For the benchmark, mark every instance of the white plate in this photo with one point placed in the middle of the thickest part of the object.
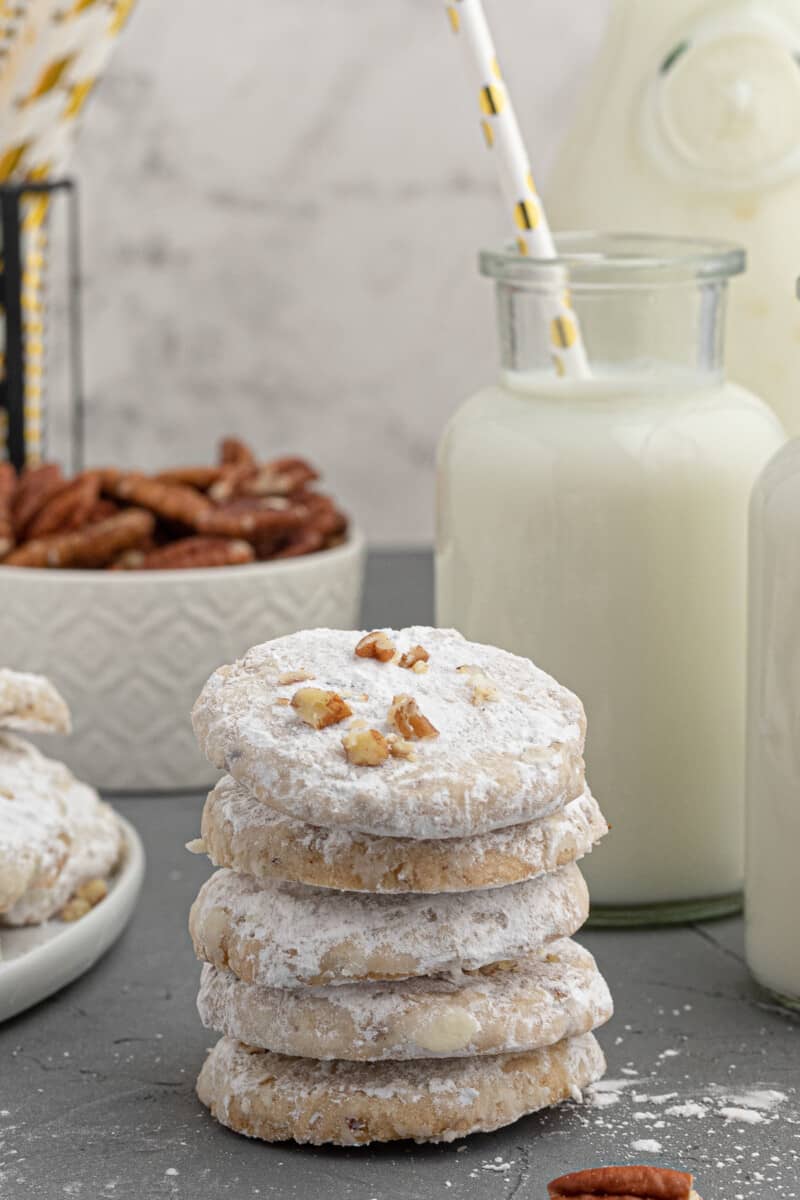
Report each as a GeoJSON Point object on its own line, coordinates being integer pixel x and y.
{"type": "Point", "coordinates": [37, 960]}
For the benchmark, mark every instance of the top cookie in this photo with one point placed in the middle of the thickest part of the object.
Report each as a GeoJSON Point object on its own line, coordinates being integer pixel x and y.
{"type": "Point", "coordinates": [30, 704]}
{"type": "Point", "coordinates": [465, 739]}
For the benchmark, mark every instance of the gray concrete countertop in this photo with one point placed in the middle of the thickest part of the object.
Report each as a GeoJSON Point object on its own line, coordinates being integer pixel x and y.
{"type": "Point", "coordinates": [96, 1084]}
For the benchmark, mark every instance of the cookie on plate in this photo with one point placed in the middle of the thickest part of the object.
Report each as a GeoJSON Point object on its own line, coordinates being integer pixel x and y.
{"type": "Point", "coordinates": [30, 704]}
{"type": "Point", "coordinates": [275, 1098]}
{"type": "Point", "coordinates": [415, 733]}
{"type": "Point", "coordinates": [34, 840]}
{"type": "Point", "coordinates": [55, 834]}
{"type": "Point", "coordinates": [241, 832]}
{"type": "Point", "coordinates": [541, 1000]}
{"type": "Point", "coordinates": [289, 935]}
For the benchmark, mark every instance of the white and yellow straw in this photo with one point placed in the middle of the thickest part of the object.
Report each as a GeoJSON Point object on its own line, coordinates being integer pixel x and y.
{"type": "Point", "coordinates": [502, 133]}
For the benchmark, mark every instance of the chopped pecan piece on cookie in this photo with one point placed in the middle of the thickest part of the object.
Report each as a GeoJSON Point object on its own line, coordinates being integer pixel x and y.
{"type": "Point", "coordinates": [407, 719]}
{"type": "Point", "coordinates": [400, 748]}
{"type": "Point", "coordinates": [365, 747]}
{"type": "Point", "coordinates": [413, 658]}
{"type": "Point", "coordinates": [483, 690]}
{"type": "Point", "coordinates": [298, 676]}
{"type": "Point", "coordinates": [319, 708]}
{"type": "Point", "coordinates": [376, 645]}
{"type": "Point", "coordinates": [625, 1183]}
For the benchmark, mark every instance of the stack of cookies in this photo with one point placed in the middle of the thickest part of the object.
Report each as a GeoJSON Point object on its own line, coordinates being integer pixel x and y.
{"type": "Point", "coordinates": [386, 944]}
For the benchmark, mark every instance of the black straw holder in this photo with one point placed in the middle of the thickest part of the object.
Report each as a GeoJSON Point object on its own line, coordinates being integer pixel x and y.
{"type": "Point", "coordinates": [12, 382]}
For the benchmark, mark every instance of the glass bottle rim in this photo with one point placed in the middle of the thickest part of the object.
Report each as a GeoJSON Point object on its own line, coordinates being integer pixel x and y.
{"type": "Point", "coordinates": [592, 260]}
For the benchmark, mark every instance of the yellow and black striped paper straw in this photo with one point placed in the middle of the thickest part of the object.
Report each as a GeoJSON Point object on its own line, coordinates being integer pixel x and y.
{"type": "Point", "coordinates": [502, 135]}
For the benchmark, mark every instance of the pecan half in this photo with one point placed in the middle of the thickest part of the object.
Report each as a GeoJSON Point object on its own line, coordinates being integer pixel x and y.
{"type": "Point", "coordinates": [631, 1183]}
{"type": "Point", "coordinates": [172, 501]}
{"type": "Point", "coordinates": [93, 546]}
{"type": "Point", "coordinates": [248, 518]}
{"type": "Point", "coordinates": [198, 552]}
{"type": "Point", "coordinates": [198, 477]}
{"type": "Point", "coordinates": [233, 452]}
{"type": "Point", "coordinates": [281, 477]}
{"type": "Point", "coordinates": [68, 507]}
{"type": "Point", "coordinates": [35, 486]}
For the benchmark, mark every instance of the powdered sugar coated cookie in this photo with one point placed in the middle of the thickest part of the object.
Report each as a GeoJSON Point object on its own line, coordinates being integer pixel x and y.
{"type": "Point", "coordinates": [241, 832]}
{"type": "Point", "coordinates": [508, 745]}
{"type": "Point", "coordinates": [556, 994]}
{"type": "Point", "coordinates": [269, 1096]}
{"type": "Point", "coordinates": [31, 704]}
{"type": "Point", "coordinates": [288, 935]}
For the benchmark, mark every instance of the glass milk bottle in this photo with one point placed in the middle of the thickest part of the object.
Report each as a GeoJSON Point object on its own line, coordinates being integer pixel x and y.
{"type": "Point", "coordinates": [690, 124]}
{"type": "Point", "coordinates": [599, 527]}
{"type": "Point", "coordinates": [773, 745]}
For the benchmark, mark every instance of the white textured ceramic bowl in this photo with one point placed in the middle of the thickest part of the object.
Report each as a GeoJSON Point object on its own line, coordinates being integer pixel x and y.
{"type": "Point", "coordinates": [130, 651]}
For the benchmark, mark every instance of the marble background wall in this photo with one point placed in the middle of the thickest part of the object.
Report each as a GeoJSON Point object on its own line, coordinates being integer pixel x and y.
{"type": "Point", "coordinates": [282, 203]}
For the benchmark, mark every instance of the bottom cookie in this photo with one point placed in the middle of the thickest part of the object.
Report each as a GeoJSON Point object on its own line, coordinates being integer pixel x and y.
{"type": "Point", "coordinates": [275, 1098]}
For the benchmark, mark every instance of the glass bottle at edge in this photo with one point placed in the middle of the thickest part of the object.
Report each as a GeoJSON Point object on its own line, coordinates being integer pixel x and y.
{"type": "Point", "coordinates": [599, 528]}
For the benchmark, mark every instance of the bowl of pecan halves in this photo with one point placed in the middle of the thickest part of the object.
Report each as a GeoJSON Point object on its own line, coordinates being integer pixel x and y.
{"type": "Point", "coordinates": [129, 589]}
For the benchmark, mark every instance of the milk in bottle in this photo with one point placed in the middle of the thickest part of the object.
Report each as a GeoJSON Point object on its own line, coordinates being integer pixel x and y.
{"type": "Point", "coordinates": [773, 746]}
{"type": "Point", "coordinates": [599, 527]}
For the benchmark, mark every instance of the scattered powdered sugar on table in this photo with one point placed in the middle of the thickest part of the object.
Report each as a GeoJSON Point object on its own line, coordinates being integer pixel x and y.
{"type": "Point", "coordinates": [690, 1109]}
{"type": "Point", "coordinates": [647, 1146]}
{"type": "Point", "coordinates": [497, 1165]}
{"type": "Point", "coordinates": [747, 1115]}
{"type": "Point", "coordinates": [683, 1124]}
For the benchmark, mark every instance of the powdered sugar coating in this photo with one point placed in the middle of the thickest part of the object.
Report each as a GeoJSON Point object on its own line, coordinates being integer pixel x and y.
{"type": "Point", "coordinates": [94, 851]}
{"type": "Point", "coordinates": [34, 839]}
{"type": "Point", "coordinates": [501, 762]}
{"type": "Point", "coordinates": [276, 1098]}
{"type": "Point", "coordinates": [289, 935]}
{"type": "Point", "coordinates": [31, 704]}
{"type": "Point", "coordinates": [559, 993]}
{"type": "Point", "coordinates": [55, 833]}
{"type": "Point", "coordinates": [241, 832]}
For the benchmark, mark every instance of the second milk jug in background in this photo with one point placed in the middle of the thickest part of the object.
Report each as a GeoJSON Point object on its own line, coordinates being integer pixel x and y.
{"type": "Point", "coordinates": [691, 124]}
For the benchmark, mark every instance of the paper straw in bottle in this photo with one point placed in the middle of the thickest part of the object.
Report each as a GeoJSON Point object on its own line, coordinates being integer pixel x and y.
{"type": "Point", "coordinates": [502, 133]}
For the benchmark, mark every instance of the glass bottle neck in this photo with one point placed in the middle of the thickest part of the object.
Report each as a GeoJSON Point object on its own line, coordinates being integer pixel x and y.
{"type": "Point", "coordinates": [671, 330]}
